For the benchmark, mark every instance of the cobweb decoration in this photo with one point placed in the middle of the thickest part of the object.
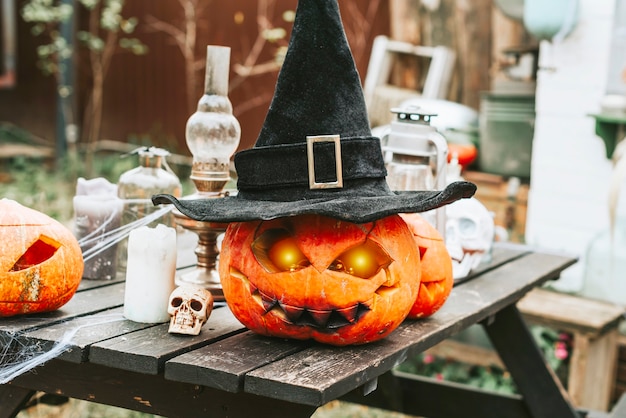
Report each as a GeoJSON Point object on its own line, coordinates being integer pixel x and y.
{"type": "Point", "coordinates": [18, 357]}
{"type": "Point", "coordinates": [101, 240]}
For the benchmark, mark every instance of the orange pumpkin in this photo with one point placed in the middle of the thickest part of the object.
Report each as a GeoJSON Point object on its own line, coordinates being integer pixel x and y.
{"type": "Point", "coordinates": [312, 276]}
{"type": "Point", "coordinates": [436, 267]}
{"type": "Point", "coordinates": [41, 263]}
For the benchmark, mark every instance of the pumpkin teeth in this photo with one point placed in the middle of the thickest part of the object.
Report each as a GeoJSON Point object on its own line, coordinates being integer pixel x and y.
{"type": "Point", "coordinates": [364, 307]}
{"type": "Point", "coordinates": [316, 318]}
{"type": "Point", "coordinates": [320, 318]}
{"type": "Point", "coordinates": [268, 301]}
{"type": "Point", "coordinates": [349, 314]}
{"type": "Point", "coordinates": [293, 313]}
{"type": "Point", "coordinates": [323, 319]}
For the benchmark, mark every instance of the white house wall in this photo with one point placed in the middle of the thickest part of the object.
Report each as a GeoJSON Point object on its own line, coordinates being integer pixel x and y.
{"type": "Point", "coordinates": [567, 204]}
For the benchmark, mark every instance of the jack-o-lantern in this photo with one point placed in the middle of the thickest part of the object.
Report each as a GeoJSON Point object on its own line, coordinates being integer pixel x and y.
{"type": "Point", "coordinates": [41, 263]}
{"type": "Point", "coordinates": [312, 276]}
{"type": "Point", "coordinates": [436, 267]}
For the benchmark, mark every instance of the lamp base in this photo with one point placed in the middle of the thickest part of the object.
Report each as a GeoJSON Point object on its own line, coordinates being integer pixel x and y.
{"type": "Point", "coordinates": [208, 279]}
{"type": "Point", "coordinates": [205, 274]}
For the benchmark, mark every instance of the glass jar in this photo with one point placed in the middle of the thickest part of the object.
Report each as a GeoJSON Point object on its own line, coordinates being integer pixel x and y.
{"type": "Point", "coordinates": [605, 267]}
{"type": "Point", "coordinates": [136, 188]}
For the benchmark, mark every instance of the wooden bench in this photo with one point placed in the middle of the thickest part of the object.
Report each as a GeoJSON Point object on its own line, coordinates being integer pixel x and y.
{"type": "Point", "coordinates": [594, 326]}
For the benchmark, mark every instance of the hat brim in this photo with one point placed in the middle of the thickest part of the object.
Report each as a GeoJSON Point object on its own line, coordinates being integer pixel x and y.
{"type": "Point", "coordinates": [350, 209]}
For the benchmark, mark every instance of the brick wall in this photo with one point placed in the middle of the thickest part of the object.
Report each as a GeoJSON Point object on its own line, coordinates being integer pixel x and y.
{"type": "Point", "coordinates": [567, 204]}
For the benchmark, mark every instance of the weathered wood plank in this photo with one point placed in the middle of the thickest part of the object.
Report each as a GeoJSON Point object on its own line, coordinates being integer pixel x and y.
{"type": "Point", "coordinates": [499, 256]}
{"type": "Point", "coordinates": [24, 150]}
{"type": "Point", "coordinates": [317, 375]}
{"type": "Point", "coordinates": [152, 394]}
{"type": "Point", "coordinates": [84, 332]}
{"type": "Point", "coordinates": [224, 364]}
{"type": "Point", "coordinates": [320, 374]}
{"type": "Point", "coordinates": [466, 353]}
{"type": "Point", "coordinates": [570, 313]}
{"type": "Point", "coordinates": [147, 350]}
{"type": "Point", "coordinates": [86, 284]}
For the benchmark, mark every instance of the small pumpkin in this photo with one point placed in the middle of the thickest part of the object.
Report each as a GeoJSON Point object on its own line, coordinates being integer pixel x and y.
{"type": "Point", "coordinates": [41, 263]}
{"type": "Point", "coordinates": [436, 267]}
{"type": "Point", "coordinates": [315, 277]}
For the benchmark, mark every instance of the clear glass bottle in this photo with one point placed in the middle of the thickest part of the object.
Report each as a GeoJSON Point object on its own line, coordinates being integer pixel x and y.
{"type": "Point", "coordinates": [137, 186]}
{"type": "Point", "coordinates": [605, 266]}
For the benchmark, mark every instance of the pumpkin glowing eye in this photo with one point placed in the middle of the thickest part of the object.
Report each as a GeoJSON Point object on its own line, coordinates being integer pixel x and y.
{"type": "Point", "coordinates": [277, 251]}
{"type": "Point", "coordinates": [286, 255]}
{"type": "Point", "coordinates": [363, 261]}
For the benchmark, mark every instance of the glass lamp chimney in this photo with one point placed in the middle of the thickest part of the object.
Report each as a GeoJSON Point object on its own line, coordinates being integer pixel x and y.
{"type": "Point", "coordinates": [212, 132]}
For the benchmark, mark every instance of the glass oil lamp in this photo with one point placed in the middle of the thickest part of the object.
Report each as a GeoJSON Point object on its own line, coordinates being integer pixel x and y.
{"type": "Point", "coordinates": [212, 135]}
{"type": "Point", "coordinates": [417, 156]}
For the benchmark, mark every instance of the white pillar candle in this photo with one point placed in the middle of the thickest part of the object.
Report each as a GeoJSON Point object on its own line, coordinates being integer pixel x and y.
{"type": "Point", "coordinates": [150, 273]}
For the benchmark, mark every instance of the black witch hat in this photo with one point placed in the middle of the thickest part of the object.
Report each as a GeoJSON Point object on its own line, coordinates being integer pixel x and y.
{"type": "Point", "coordinates": [315, 152]}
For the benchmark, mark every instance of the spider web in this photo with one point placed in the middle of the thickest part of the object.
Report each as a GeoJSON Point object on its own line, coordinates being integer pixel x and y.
{"type": "Point", "coordinates": [19, 355]}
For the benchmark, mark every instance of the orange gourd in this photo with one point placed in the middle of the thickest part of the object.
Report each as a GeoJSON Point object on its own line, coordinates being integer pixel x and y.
{"type": "Point", "coordinates": [436, 267]}
{"type": "Point", "coordinates": [315, 277]}
{"type": "Point", "coordinates": [41, 263]}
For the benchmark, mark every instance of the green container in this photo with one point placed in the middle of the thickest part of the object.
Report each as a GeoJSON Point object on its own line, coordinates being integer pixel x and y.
{"type": "Point", "coordinates": [506, 126]}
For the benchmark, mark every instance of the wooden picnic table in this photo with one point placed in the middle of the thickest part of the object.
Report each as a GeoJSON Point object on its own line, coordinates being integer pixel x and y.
{"type": "Point", "coordinates": [227, 371]}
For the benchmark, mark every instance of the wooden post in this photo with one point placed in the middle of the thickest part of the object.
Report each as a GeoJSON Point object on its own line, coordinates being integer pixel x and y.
{"type": "Point", "coordinates": [507, 33]}
{"type": "Point", "coordinates": [405, 27]}
{"type": "Point", "coordinates": [463, 25]}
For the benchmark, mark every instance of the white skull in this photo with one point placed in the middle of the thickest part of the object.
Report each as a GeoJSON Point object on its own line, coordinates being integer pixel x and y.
{"type": "Point", "coordinates": [469, 234]}
{"type": "Point", "coordinates": [189, 308]}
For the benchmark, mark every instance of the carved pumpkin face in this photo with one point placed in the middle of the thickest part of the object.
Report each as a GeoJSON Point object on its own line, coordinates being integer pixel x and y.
{"type": "Point", "coordinates": [316, 277]}
{"type": "Point", "coordinates": [436, 267]}
{"type": "Point", "coordinates": [41, 264]}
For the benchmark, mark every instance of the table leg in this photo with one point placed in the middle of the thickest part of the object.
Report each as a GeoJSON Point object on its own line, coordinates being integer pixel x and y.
{"type": "Point", "coordinates": [12, 400]}
{"type": "Point", "coordinates": [541, 389]}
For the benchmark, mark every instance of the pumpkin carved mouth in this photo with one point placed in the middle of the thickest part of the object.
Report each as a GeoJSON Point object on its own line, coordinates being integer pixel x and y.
{"type": "Point", "coordinates": [330, 319]}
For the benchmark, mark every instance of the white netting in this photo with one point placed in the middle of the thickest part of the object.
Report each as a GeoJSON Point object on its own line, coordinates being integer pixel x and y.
{"type": "Point", "coordinates": [98, 241]}
{"type": "Point", "coordinates": [17, 357]}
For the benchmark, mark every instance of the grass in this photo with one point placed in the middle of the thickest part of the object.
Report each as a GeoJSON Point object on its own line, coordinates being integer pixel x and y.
{"type": "Point", "coordinates": [82, 409]}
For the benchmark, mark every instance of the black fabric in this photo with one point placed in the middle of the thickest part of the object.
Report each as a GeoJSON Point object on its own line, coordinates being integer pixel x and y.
{"type": "Point", "coordinates": [318, 90]}
{"type": "Point", "coordinates": [347, 208]}
{"type": "Point", "coordinates": [287, 165]}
